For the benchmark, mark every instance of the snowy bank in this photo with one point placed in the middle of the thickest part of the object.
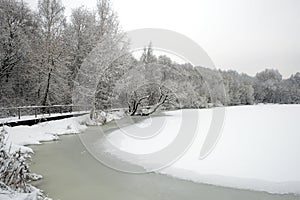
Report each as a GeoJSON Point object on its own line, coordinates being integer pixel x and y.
{"type": "Point", "coordinates": [17, 138]}
{"type": "Point", "coordinates": [20, 136]}
{"type": "Point", "coordinates": [38, 117]}
{"type": "Point", "coordinates": [259, 148]}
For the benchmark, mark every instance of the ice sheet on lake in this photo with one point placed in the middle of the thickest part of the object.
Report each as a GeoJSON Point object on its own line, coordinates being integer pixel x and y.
{"type": "Point", "coordinates": [259, 149]}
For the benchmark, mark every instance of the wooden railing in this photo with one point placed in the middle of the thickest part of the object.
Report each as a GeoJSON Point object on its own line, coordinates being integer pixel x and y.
{"type": "Point", "coordinates": [15, 114]}
{"type": "Point", "coordinates": [36, 111]}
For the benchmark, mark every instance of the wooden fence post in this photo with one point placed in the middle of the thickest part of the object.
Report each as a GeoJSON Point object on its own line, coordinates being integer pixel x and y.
{"type": "Point", "coordinates": [19, 113]}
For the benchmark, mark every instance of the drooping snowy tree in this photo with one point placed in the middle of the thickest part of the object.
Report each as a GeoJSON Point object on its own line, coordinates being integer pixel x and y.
{"type": "Point", "coordinates": [142, 87]}
{"type": "Point", "coordinates": [98, 69]}
{"type": "Point", "coordinates": [105, 63]}
{"type": "Point", "coordinates": [109, 31]}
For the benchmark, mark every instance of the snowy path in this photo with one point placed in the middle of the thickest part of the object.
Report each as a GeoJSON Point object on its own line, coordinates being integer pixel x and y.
{"type": "Point", "coordinates": [40, 116]}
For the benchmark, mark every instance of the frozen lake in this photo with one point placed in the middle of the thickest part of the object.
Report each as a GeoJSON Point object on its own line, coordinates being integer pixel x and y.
{"type": "Point", "coordinates": [70, 172]}
{"type": "Point", "coordinates": [256, 148]}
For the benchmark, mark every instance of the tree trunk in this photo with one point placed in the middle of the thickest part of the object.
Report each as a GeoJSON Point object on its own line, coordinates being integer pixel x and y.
{"type": "Point", "coordinates": [44, 102]}
{"type": "Point", "coordinates": [156, 106]}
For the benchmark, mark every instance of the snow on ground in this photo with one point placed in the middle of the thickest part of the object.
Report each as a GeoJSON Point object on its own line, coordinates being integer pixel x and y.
{"type": "Point", "coordinates": [10, 195]}
{"type": "Point", "coordinates": [19, 136]}
{"type": "Point", "coordinates": [259, 148]}
{"type": "Point", "coordinates": [110, 116]}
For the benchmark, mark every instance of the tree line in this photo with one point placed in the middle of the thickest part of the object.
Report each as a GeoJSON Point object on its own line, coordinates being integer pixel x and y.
{"type": "Point", "coordinates": [42, 54]}
{"type": "Point", "coordinates": [188, 86]}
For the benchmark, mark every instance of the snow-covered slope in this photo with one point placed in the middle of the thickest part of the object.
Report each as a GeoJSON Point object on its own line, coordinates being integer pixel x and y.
{"type": "Point", "coordinates": [259, 148]}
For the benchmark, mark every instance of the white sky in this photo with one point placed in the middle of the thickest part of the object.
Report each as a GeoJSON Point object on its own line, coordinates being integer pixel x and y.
{"type": "Point", "coordinates": [244, 35]}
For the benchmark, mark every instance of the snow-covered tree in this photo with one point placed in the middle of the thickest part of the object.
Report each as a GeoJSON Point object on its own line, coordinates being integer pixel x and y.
{"type": "Point", "coordinates": [15, 24]}
{"type": "Point", "coordinates": [108, 22]}
{"type": "Point", "coordinates": [267, 86]}
{"type": "Point", "coordinates": [53, 84]}
{"type": "Point", "coordinates": [41, 56]}
{"type": "Point", "coordinates": [164, 60]}
{"type": "Point", "coordinates": [148, 56]}
{"type": "Point", "coordinates": [81, 39]}
{"type": "Point", "coordinates": [136, 92]}
{"type": "Point", "coordinates": [17, 32]}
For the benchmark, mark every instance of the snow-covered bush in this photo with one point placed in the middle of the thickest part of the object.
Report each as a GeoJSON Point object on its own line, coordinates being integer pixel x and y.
{"type": "Point", "coordinates": [14, 171]}
{"type": "Point", "coordinates": [98, 118]}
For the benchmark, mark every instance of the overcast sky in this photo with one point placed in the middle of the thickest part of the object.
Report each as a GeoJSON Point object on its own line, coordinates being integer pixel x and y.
{"type": "Point", "coordinates": [244, 35]}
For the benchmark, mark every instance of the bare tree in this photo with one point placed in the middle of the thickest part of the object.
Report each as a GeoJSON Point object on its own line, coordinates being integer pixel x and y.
{"type": "Point", "coordinates": [138, 99]}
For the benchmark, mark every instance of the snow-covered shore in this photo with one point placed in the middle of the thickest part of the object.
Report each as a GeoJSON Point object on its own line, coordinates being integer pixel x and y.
{"type": "Point", "coordinates": [259, 148]}
{"type": "Point", "coordinates": [20, 136]}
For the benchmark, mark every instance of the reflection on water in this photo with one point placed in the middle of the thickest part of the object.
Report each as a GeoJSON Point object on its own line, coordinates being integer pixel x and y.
{"type": "Point", "coordinates": [71, 173]}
